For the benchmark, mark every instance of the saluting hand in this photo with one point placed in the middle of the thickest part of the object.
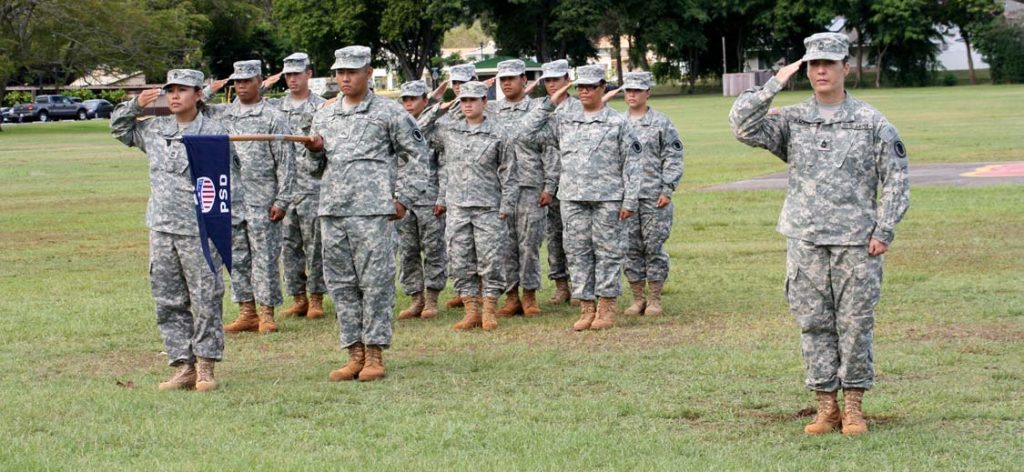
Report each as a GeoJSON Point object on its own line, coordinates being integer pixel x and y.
{"type": "Point", "coordinates": [786, 72]}
{"type": "Point", "coordinates": [438, 93]}
{"type": "Point", "coordinates": [530, 86]}
{"type": "Point", "coordinates": [447, 105]}
{"type": "Point", "coordinates": [490, 82]}
{"type": "Point", "coordinates": [561, 94]}
{"type": "Point", "coordinates": [147, 97]}
{"type": "Point", "coordinates": [270, 81]}
{"type": "Point", "coordinates": [610, 95]}
{"type": "Point", "coordinates": [218, 84]}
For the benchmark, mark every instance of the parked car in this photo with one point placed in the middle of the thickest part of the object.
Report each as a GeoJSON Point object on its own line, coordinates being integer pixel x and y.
{"type": "Point", "coordinates": [98, 108]}
{"type": "Point", "coordinates": [3, 113]}
{"type": "Point", "coordinates": [49, 107]}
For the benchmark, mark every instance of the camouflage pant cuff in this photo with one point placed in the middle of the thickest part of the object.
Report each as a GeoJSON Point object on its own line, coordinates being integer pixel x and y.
{"type": "Point", "coordinates": [862, 385]}
{"type": "Point", "coordinates": [822, 387]}
{"type": "Point", "coordinates": [181, 361]}
{"type": "Point", "coordinates": [412, 290]}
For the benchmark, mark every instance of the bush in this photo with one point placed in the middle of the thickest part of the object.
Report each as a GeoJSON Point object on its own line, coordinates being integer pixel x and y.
{"type": "Point", "coordinates": [665, 72]}
{"type": "Point", "coordinates": [15, 98]}
{"type": "Point", "coordinates": [84, 94]}
{"type": "Point", "coordinates": [114, 96]}
{"type": "Point", "coordinates": [949, 80]}
{"type": "Point", "coordinates": [1002, 46]}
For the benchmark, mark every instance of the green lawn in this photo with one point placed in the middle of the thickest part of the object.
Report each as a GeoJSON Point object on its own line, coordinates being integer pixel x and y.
{"type": "Point", "coordinates": [715, 383]}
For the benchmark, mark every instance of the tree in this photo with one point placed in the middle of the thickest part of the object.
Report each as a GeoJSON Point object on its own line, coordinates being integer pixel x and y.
{"type": "Point", "coordinates": [910, 26]}
{"type": "Point", "coordinates": [545, 29]}
{"type": "Point", "coordinates": [1002, 45]}
{"type": "Point", "coordinates": [970, 17]}
{"type": "Point", "coordinates": [236, 31]}
{"type": "Point", "coordinates": [412, 31]}
{"type": "Point", "coordinates": [858, 18]}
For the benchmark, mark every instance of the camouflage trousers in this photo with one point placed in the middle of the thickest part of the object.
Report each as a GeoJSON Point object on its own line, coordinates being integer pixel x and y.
{"type": "Point", "coordinates": [359, 267]}
{"type": "Point", "coordinates": [477, 241]}
{"type": "Point", "coordinates": [422, 251]}
{"type": "Point", "coordinates": [189, 297]}
{"type": "Point", "coordinates": [526, 233]}
{"type": "Point", "coordinates": [648, 230]}
{"type": "Point", "coordinates": [302, 254]}
{"type": "Point", "coordinates": [595, 242]}
{"type": "Point", "coordinates": [255, 246]}
{"type": "Point", "coordinates": [558, 266]}
{"type": "Point", "coordinates": [832, 292]}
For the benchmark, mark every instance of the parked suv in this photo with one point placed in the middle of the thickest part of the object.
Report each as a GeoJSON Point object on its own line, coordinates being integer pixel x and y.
{"type": "Point", "coordinates": [49, 107]}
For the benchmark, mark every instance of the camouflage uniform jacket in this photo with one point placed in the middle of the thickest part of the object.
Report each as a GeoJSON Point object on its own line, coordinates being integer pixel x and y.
{"type": "Point", "coordinates": [300, 119]}
{"type": "Point", "coordinates": [478, 166]}
{"type": "Point", "coordinates": [535, 167]}
{"type": "Point", "coordinates": [662, 159]}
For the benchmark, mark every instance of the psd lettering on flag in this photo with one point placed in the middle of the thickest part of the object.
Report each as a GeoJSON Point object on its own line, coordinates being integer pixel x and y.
{"type": "Point", "coordinates": [209, 159]}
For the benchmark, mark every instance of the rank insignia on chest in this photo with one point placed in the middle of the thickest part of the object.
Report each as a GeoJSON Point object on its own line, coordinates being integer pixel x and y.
{"type": "Point", "coordinates": [823, 145]}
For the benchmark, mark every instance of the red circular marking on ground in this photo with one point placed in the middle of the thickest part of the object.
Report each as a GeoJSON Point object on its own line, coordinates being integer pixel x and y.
{"type": "Point", "coordinates": [998, 170]}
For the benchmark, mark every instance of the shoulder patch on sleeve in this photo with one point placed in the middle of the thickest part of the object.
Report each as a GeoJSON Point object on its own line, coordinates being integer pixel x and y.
{"type": "Point", "coordinates": [677, 145]}
{"type": "Point", "coordinates": [888, 133]}
{"type": "Point", "coordinates": [899, 149]}
{"type": "Point", "coordinates": [636, 147]}
{"type": "Point", "coordinates": [417, 135]}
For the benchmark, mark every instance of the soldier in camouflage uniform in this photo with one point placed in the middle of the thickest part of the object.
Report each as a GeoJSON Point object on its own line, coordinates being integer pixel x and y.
{"type": "Point", "coordinates": [537, 173]}
{"type": "Point", "coordinates": [268, 178]}
{"type": "Point", "coordinates": [301, 254]}
{"type": "Point", "coordinates": [841, 153]}
{"type": "Point", "coordinates": [421, 232]}
{"type": "Point", "coordinates": [478, 188]}
{"type": "Point", "coordinates": [661, 169]}
{"type": "Point", "coordinates": [372, 154]}
{"type": "Point", "coordinates": [598, 189]}
{"type": "Point", "coordinates": [189, 296]}
{"type": "Point", "coordinates": [555, 75]}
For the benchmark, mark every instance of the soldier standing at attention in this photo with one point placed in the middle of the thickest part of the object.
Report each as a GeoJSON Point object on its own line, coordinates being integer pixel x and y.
{"type": "Point", "coordinates": [372, 153]}
{"type": "Point", "coordinates": [189, 296]}
{"type": "Point", "coordinates": [301, 254]}
{"type": "Point", "coordinates": [478, 188]}
{"type": "Point", "coordinates": [598, 188]}
{"type": "Point", "coordinates": [841, 153]}
{"type": "Point", "coordinates": [661, 169]}
{"type": "Point", "coordinates": [555, 76]}
{"type": "Point", "coordinates": [268, 178]}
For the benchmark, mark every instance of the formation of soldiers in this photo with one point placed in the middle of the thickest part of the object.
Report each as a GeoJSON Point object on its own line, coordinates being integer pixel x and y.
{"type": "Point", "coordinates": [471, 188]}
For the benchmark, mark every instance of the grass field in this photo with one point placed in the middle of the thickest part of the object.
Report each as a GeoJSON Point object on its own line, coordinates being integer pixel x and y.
{"type": "Point", "coordinates": [714, 384]}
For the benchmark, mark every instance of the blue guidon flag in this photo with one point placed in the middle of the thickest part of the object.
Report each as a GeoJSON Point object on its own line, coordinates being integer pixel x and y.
{"type": "Point", "coordinates": [209, 158]}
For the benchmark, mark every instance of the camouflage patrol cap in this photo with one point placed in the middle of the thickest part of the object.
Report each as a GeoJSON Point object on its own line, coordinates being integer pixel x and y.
{"type": "Point", "coordinates": [590, 75]}
{"type": "Point", "coordinates": [247, 70]}
{"type": "Point", "coordinates": [828, 46]}
{"type": "Point", "coordinates": [186, 77]}
{"type": "Point", "coordinates": [473, 89]}
{"type": "Point", "coordinates": [351, 57]}
{"type": "Point", "coordinates": [554, 69]}
{"type": "Point", "coordinates": [296, 63]}
{"type": "Point", "coordinates": [637, 81]}
{"type": "Point", "coordinates": [511, 68]}
{"type": "Point", "coordinates": [462, 73]}
{"type": "Point", "coordinates": [414, 88]}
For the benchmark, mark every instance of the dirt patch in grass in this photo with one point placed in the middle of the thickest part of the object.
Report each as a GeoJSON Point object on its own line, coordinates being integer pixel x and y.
{"type": "Point", "coordinates": [1001, 332]}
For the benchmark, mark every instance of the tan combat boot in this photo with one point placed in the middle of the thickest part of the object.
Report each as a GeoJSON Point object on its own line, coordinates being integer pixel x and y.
{"type": "Point", "coordinates": [205, 381]}
{"type": "Point", "coordinates": [562, 293]}
{"type": "Point", "coordinates": [588, 310]}
{"type": "Point", "coordinates": [266, 317]}
{"type": "Point", "coordinates": [415, 308]}
{"type": "Point", "coordinates": [654, 299]}
{"type": "Point", "coordinates": [853, 413]}
{"type": "Point", "coordinates": [472, 318]}
{"type": "Point", "coordinates": [299, 307]}
{"type": "Point", "coordinates": [184, 378]}
{"type": "Point", "coordinates": [605, 313]}
{"type": "Point", "coordinates": [828, 417]}
{"type": "Point", "coordinates": [530, 307]}
{"type": "Point", "coordinates": [356, 360]}
{"type": "Point", "coordinates": [246, 321]}
{"type": "Point", "coordinates": [454, 302]}
{"type": "Point", "coordinates": [512, 304]}
{"type": "Point", "coordinates": [429, 304]}
{"type": "Point", "coordinates": [574, 302]}
{"type": "Point", "coordinates": [639, 302]}
{"type": "Point", "coordinates": [488, 321]}
{"type": "Point", "coordinates": [373, 369]}
{"type": "Point", "coordinates": [316, 306]}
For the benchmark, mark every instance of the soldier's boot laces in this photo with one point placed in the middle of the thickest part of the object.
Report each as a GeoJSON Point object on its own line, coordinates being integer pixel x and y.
{"type": "Point", "coordinates": [373, 369]}
{"type": "Point", "coordinates": [605, 313]}
{"type": "Point", "coordinates": [415, 307]}
{"type": "Point", "coordinates": [588, 311]}
{"type": "Point", "coordinates": [530, 306]}
{"type": "Point", "coordinates": [853, 413]}
{"type": "Point", "coordinates": [300, 306]}
{"type": "Point", "coordinates": [562, 293]}
{"type": "Point", "coordinates": [266, 319]}
{"type": "Point", "coordinates": [828, 417]}
{"type": "Point", "coordinates": [429, 304]}
{"type": "Point", "coordinates": [454, 302]}
{"type": "Point", "coordinates": [472, 318]}
{"type": "Point", "coordinates": [654, 299]}
{"type": "Point", "coordinates": [246, 321]}
{"type": "Point", "coordinates": [356, 360]}
{"type": "Point", "coordinates": [183, 378]}
{"type": "Point", "coordinates": [639, 302]}
{"type": "Point", "coordinates": [513, 306]}
{"type": "Point", "coordinates": [316, 306]}
{"type": "Point", "coordinates": [488, 320]}
{"type": "Point", "coordinates": [206, 382]}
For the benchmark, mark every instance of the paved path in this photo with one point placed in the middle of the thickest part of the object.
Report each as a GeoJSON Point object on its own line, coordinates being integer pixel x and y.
{"type": "Point", "coordinates": [965, 174]}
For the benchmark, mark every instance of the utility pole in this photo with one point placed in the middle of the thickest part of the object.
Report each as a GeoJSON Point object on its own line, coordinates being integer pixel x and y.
{"type": "Point", "coordinates": [724, 67]}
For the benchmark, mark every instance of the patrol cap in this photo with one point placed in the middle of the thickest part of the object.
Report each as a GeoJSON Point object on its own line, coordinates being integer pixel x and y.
{"type": "Point", "coordinates": [554, 69]}
{"type": "Point", "coordinates": [637, 81]}
{"type": "Point", "coordinates": [590, 75]}
{"type": "Point", "coordinates": [351, 57]}
{"type": "Point", "coordinates": [462, 73]}
{"type": "Point", "coordinates": [414, 88]}
{"type": "Point", "coordinates": [828, 46]}
{"type": "Point", "coordinates": [297, 62]}
{"type": "Point", "coordinates": [511, 68]}
{"type": "Point", "coordinates": [186, 77]}
{"type": "Point", "coordinates": [246, 70]}
{"type": "Point", "coordinates": [473, 89]}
